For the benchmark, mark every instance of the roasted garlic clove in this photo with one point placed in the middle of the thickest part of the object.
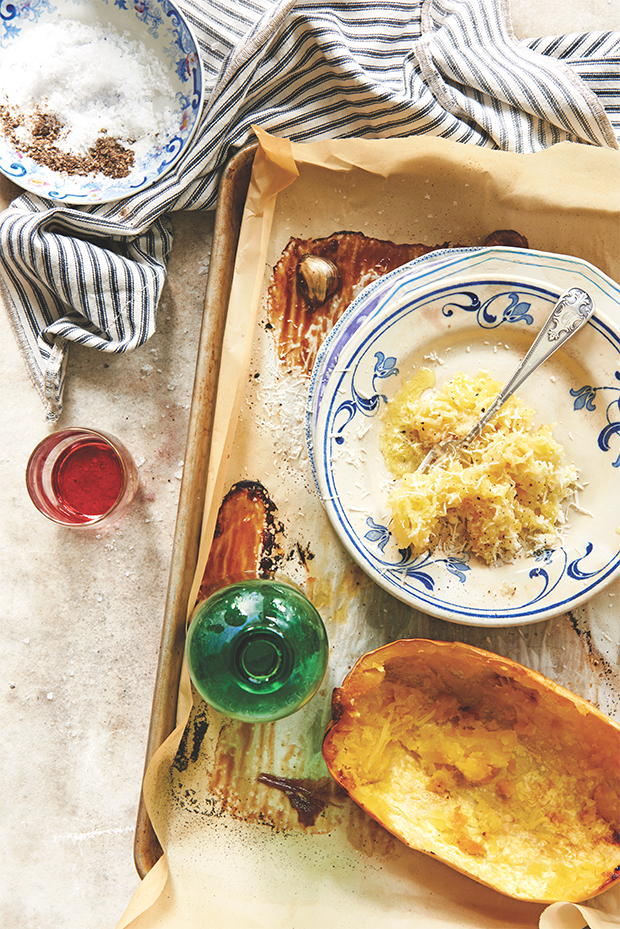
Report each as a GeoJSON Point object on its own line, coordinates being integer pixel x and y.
{"type": "Point", "coordinates": [318, 279]}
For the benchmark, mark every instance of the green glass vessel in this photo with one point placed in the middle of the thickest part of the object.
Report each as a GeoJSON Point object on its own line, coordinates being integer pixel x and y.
{"type": "Point", "coordinates": [257, 650]}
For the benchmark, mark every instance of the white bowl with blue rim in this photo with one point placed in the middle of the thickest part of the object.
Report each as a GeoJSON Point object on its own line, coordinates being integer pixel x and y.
{"type": "Point", "coordinates": [466, 310]}
{"type": "Point", "coordinates": [161, 28]}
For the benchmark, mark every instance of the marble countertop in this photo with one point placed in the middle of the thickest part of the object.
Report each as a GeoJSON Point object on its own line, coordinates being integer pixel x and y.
{"type": "Point", "coordinates": [82, 613]}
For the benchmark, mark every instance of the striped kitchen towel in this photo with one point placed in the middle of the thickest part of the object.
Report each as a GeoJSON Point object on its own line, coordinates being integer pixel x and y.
{"type": "Point", "coordinates": [307, 71]}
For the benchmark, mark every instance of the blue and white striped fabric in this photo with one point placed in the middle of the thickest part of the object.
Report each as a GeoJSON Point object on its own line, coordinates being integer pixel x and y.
{"type": "Point", "coordinates": [307, 71]}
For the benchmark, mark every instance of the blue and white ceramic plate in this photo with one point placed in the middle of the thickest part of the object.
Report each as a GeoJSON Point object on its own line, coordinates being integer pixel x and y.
{"type": "Point", "coordinates": [160, 27]}
{"type": "Point", "coordinates": [471, 310]}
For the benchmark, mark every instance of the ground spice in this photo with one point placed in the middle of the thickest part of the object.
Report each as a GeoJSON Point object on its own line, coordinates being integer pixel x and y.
{"type": "Point", "coordinates": [107, 156]}
{"type": "Point", "coordinates": [84, 99]}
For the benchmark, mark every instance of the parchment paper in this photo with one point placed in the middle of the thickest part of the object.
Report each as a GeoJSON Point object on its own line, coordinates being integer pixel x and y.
{"type": "Point", "coordinates": [236, 856]}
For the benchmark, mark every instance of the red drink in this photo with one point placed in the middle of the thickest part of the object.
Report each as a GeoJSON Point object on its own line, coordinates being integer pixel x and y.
{"type": "Point", "coordinates": [87, 479]}
{"type": "Point", "coordinates": [79, 477]}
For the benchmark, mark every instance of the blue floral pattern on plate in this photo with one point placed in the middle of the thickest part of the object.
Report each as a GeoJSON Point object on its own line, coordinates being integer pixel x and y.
{"type": "Point", "coordinates": [586, 397]}
{"type": "Point", "coordinates": [177, 50]}
{"type": "Point", "coordinates": [469, 309]}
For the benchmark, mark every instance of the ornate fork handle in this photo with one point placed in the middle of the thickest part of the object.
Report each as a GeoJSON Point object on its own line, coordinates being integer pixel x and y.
{"type": "Point", "coordinates": [573, 308]}
{"type": "Point", "coordinates": [571, 311]}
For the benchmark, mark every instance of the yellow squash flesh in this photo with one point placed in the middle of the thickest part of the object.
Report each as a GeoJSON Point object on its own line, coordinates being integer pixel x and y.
{"type": "Point", "coordinates": [484, 764]}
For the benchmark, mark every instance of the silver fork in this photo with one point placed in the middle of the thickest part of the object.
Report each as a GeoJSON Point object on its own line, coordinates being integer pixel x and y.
{"type": "Point", "coordinates": [572, 310]}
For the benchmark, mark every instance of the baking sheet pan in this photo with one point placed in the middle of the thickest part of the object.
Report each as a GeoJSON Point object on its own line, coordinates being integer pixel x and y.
{"type": "Point", "coordinates": [231, 199]}
{"type": "Point", "coordinates": [568, 648]}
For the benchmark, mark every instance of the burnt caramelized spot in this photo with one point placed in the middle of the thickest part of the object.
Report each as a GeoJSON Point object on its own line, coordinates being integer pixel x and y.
{"type": "Point", "coordinates": [507, 237]}
{"type": "Point", "coordinates": [338, 710]}
{"type": "Point", "coordinates": [359, 259]}
{"type": "Point", "coordinates": [246, 539]}
{"type": "Point", "coordinates": [307, 798]}
{"type": "Point", "coordinates": [299, 326]}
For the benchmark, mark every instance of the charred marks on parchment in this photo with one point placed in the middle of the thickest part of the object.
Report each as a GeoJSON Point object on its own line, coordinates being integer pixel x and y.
{"type": "Point", "coordinates": [247, 537]}
{"type": "Point", "coordinates": [299, 324]}
{"type": "Point", "coordinates": [506, 237]}
{"type": "Point", "coordinates": [303, 554]}
{"type": "Point", "coordinates": [193, 802]}
{"type": "Point", "coordinates": [307, 797]}
{"type": "Point", "coordinates": [595, 659]}
{"type": "Point", "coordinates": [302, 308]}
{"type": "Point", "coordinates": [192, 738]}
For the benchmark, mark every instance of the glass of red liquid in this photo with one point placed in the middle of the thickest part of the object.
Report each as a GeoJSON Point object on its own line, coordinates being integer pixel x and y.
{"type": "Point", "coordinates": [81, 477]}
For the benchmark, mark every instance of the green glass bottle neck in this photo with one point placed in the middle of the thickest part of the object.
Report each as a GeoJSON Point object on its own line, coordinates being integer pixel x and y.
{"type": "Point", "coordinates": [263, 660]}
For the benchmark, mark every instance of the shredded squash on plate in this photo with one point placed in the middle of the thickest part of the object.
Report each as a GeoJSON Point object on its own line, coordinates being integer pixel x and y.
{"type": "Point", "coordinates": [501, 498]}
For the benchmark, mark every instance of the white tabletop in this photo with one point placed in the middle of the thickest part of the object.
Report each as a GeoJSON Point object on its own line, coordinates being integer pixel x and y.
{"type": "Point", "coordinates": [81, 614]}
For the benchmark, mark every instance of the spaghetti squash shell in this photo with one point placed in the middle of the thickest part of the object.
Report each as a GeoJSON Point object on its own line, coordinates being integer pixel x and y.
{"type": "Point", "coordinates": [478, 761]}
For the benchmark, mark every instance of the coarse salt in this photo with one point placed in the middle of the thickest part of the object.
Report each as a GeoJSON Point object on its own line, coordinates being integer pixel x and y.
{"type": "Point", "coordinates": [92, 79]}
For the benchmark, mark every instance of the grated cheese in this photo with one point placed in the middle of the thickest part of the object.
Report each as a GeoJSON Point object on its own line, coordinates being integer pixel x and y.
{"type": "Point", "coordinates": [501, 498]}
